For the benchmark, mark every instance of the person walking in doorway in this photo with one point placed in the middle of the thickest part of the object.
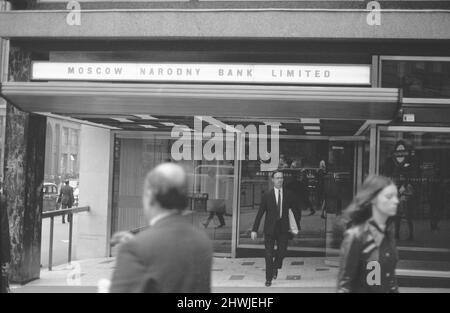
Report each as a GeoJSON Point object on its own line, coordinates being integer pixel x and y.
{"type": "Point", "coordinates": [220, 216]}
{"type": "Point", "coordinates": [66, 198]}
{"type": "Point", "coordinates": [276, 204]}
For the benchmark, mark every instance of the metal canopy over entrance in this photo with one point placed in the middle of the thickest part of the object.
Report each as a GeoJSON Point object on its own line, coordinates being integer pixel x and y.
{"type": "Point", "coordinates": [348, 103]}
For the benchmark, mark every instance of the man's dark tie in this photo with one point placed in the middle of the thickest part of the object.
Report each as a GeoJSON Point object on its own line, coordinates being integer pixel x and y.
{"type": "Point", "coordinates": [279, 202]}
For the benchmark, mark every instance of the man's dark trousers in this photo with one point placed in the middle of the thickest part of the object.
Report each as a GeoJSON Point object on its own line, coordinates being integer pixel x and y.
{"type": "Point", "coordinates": [274, 259]}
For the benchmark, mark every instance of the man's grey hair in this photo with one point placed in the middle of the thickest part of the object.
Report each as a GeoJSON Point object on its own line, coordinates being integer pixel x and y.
{"type": "Point", "coordinates": [168, 185]}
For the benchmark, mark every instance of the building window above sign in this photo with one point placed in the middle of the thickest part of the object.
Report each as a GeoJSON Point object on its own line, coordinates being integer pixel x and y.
{"type": "Point", "coordinates": [417, 78]}
{"type": "Point", "coordinates": [308, 74]}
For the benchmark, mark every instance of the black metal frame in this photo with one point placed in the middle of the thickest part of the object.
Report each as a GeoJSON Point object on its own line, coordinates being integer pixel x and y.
{"type": "Point", "coordinates": [52, 215]}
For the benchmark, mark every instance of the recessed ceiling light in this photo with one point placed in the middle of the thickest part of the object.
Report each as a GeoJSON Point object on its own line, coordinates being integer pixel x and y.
{"type": "Point", "coordinates": [313, 133]}
{"type": "Point", "coordinates": [122, 120]}
{"type": "Point", "coordinates": [148, 126]}
{"type": "Point", "coordinates": [259, 120]}
{"type": "Point", "coordinates": [145, 117]}
{"type": "Point", "coordinates": [168, 124]}
{"type": "Point", "coordinates": [273, 124]}
{"type": "Point", "coordinates": [311, 127]}
{"type": "Point", "coordinates": [310, 121]}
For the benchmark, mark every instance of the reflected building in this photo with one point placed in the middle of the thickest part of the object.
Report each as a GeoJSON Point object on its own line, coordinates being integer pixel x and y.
{"type": "Point", "coordinates": [62, 150]}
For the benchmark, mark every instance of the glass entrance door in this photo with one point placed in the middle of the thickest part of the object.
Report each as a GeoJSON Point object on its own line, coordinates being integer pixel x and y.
{"type": "Point", "coordinates": [340, 184]}
{"type": "Point", "coordinates": [320, 173]}
{"type": "Point", "coordinates": [212, 201]}
{"type": "Point", "coordinates": [417, 160]}
{"type": "Point", "coordinates": [217, 188]}
{"type": "Point", "coordinates": [299, 162]}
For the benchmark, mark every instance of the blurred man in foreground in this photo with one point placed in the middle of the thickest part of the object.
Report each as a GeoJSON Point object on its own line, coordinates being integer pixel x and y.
{"type": "Point", "coordinates": [171, 255]}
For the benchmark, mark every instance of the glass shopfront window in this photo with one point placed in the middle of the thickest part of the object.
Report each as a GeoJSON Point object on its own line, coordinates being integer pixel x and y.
{"type": "Point", "coordinates": [211, 187]}
{"type": "Point", "coordinates": [419, 164]}
{"type": "Point", "coordinates": [417, 79]}
{"type": "Point", "coordinates": [319, 173]}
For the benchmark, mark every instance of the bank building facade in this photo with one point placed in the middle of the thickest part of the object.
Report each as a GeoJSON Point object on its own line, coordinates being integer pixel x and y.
{"type": "Point", "coordinates": [335, 82]}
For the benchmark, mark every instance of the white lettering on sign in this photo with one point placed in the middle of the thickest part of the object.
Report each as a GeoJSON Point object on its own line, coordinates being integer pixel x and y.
{"type": "Point", "coordinates": [205, 72]}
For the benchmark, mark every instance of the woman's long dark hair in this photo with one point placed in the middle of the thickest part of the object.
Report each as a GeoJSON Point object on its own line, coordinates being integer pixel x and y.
{"type": "Point", "coordinates": [360, 210]}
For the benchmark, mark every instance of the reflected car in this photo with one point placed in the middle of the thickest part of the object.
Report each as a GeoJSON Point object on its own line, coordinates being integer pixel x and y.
{"type": "Point", "coordinates": [50, 191]}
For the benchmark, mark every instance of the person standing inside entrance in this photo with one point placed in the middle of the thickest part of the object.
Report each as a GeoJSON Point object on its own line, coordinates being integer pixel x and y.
{"type": "Point", "coordinates": [321, 202]}
{"type": "Point", "coordinates": [66, 198]}
{"type": "Point", "coordinates": [406, 208]}
{"type": "Point", "coordinates": [303, 193]}
{"type": "Point", "coordinates": [276, 204]}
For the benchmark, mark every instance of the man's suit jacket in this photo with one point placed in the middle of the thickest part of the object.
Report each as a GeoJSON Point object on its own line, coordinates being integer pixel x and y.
{"type": "Point", "coordinates": [66, 195]}
{"type": "Point", "coordinates": [269, 207]}
{"type": "Point", "coordinates": [170, 256]}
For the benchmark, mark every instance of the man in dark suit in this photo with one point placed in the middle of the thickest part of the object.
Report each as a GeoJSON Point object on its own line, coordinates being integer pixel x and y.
{"type": "Point", "coordinates": [66, 198]}
{"type": "Point", "coordinates": [275, 203]}
{"type": "Point", "coordinates": [171, 255]}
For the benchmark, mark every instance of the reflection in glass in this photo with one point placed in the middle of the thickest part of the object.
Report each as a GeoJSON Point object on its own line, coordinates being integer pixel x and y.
{"type": "Point", "coordinates": [422, 173]}
{"type": "Point", "coordinates": [418, 79]}
{"type": "Point", "coordinates": [300, 162]}
{"type": "Point", "coordinates": [210, 188]}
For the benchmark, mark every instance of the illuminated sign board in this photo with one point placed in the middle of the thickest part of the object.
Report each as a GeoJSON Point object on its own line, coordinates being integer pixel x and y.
{"type": "Point", "coordinates": [308, 74]}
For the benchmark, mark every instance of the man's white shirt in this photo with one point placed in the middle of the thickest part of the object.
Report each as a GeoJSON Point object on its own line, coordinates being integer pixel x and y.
{"type": "Point", "coordinates": [276, 199]}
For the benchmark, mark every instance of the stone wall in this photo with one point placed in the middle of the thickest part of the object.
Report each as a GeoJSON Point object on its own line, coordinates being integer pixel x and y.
{"type": "Point", "coordinates": [24, 176]}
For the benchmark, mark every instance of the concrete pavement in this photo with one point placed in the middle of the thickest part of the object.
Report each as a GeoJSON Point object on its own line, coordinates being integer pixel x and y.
{"type": "Point", "coordinates": [228, 275]}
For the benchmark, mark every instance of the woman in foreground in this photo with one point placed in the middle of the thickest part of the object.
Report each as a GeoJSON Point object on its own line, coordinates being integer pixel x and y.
{"type": "Point", "coordinates": [368, 252]}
